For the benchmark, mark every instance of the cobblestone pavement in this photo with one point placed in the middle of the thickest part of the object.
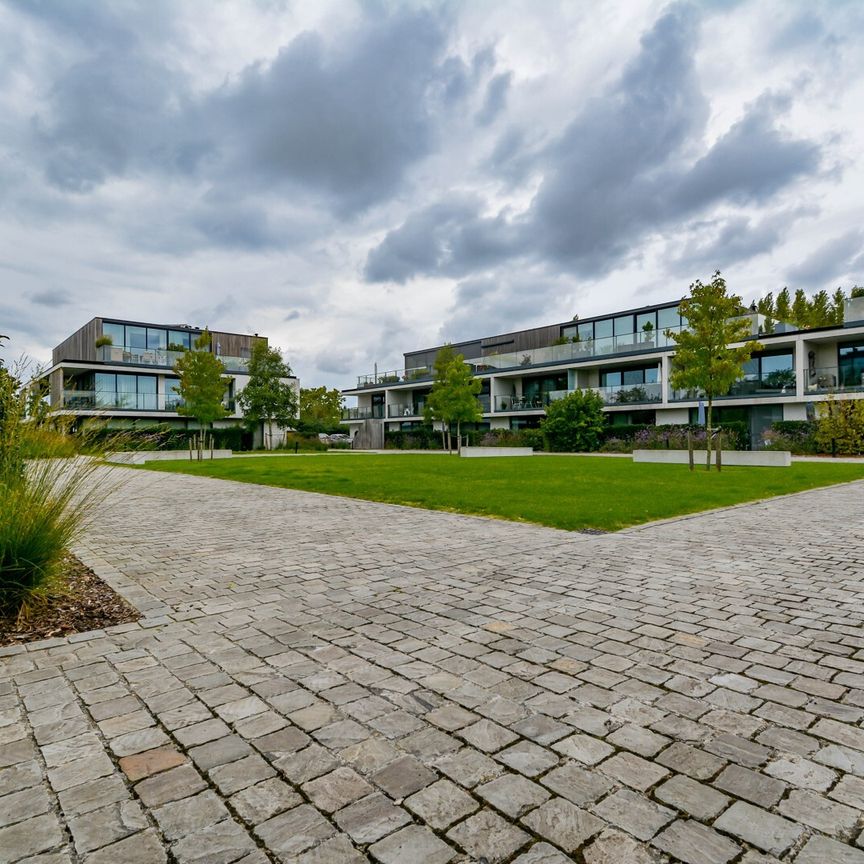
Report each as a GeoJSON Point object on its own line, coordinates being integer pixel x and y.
{"type": "Point", "coordinates": [326, 681]}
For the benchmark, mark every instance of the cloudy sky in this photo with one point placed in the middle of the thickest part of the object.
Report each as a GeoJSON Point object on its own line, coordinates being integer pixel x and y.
{"type": "Point", "coordinates": [356, 180]}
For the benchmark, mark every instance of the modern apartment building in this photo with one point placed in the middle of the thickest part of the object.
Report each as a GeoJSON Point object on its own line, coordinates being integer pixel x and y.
{"type": "Point", "coordinates": [122, 371]}
{"type": "Point", "coordinates": [626, 357]}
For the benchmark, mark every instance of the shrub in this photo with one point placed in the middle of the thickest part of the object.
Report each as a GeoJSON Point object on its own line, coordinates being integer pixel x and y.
{"type": "Point", "coordinates": [43, 503]}
{"type": "Point", "coordinates": [308, 443]}
{"type": "Point", "coordinates": [617, 445]}
{"type": "Point", "coordinates": [796, 436]}
{"type": "Point", "coordinates": [512, 438]}
{"type": "Point", "coordinates": [421, 438]}
{"type": "Point", "coordinates": [575, 423]}
{"type": "Point", "coordinates": [840, 426]}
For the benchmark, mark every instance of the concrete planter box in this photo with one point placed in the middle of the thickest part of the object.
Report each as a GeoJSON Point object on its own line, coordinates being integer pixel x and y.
{"type": "Point", "coordinates": [475, 452]}
{"type": "Point", "coordinates": [753, 458]}
{"type": "Point", "coordinates": [139, 457]}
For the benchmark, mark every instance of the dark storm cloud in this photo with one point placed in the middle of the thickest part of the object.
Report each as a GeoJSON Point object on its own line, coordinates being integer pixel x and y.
{"type": "Point", "coordinates": [51, 297]}
{"type": "Point", "coordinates": [841, 257]}
{"type": "Point", "coordinates": [341, 121]}
{"type": "Point", "coordinates": [621, 171]}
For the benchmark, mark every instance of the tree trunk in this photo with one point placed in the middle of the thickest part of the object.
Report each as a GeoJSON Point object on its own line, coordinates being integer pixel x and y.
{"type": "Point", "coordinates": [269, 445]}
{"type": "Point", "coordinates": [459, 437]}
{"type": "Point", "coordinates": [708, 436]}
{"type": "Point", "coordinates": [443, 436]}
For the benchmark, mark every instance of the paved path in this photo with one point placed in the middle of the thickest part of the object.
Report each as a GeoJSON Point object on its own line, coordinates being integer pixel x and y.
{"type": "Point", "coordinates": [330, 681]}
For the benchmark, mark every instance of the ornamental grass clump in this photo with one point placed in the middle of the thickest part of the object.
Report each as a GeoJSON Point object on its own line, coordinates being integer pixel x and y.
{"type": "Point", "coordinates": [43, 501]}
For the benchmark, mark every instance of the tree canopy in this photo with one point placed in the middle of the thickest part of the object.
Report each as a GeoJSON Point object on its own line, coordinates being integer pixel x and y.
{"type": "Point", "coordinates": [267, 398]}
{"type": "Point", "coordinates": [705, 358]}
{"type": "Point", "coordinates": [202, 383]}
{"type": "Point", "coordinates": [803, 312]}
{"type": "Point", "coordinates": [453, 398]}
{"type": "Point", "coordinates": [320, 408]}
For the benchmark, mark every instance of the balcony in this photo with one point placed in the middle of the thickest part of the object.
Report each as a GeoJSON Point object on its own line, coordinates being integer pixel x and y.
{"type": "Point", "coordinates": [523, 403]}
{"type": "Point", "coordinates": [125, 355]}
{"type": "Point", "coordinates": [774, 384]}
{"type": "Point", "coordinates": [375, 412]}
{"type": "Point", "coordinates": [832, 379]}
{"type": "Point", "coordinates": [108, 400]}
{"type": "Point", "coordinates": [397, 376]}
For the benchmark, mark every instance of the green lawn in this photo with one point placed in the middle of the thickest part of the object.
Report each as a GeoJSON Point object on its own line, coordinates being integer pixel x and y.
{"type": "Point", "coordinates": [569, 492]}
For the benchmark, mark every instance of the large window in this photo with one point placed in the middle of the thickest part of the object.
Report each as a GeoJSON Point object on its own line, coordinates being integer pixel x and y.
{"type": "Point", "coordinates": [850, 360]}
{"type": "Point", "coordinates": [623, 325]}
{"type": "Point", "coordinates": [115, 331]}
{"type": "Point", "coordinates": [629, 376]}
{"type": "Point", "coordinates": [130, 392]}
{"type": "Point", "coordinates": [138, 338]}
{"type": "Point", "coordinates": [668, 317]}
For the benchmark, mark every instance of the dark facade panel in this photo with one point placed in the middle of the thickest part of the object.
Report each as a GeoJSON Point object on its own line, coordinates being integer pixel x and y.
{"type": "Point", "coordinates": [81, 345]}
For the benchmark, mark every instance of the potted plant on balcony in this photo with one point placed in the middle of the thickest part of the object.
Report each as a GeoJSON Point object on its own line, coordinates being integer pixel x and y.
{"type": "Point", "coordinates": [176, 346]}
{"type": "Point", "coordinates": [102, 341]}
{"type": "Point", "coordinates": [648, 331]}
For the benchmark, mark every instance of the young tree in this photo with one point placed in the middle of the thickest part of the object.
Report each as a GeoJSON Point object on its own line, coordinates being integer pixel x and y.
{"type": "Point", "coordinates": [267, 398]}
{"type": "Point", "coordinates": [453, 398]}
{"type": "Point", "coordinates": [820, 310]}
{"type": "Point", "coordinates": [202, 385]}
{"type": "Point", "coordinates": [838, 306]}
{"type": "Point", "coordinates": [840, 426]}
{"type": "Point", "coordinates": [573, 424]}
{"type": "Point", "coordinates": [801, 310]}
{"type": "Point", "coordinates": [320, 408]}
{"type": "Point", "coordinates": [704, 359]}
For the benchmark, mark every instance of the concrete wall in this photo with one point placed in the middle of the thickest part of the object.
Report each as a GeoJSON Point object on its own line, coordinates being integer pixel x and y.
{"type": "Point", "coordinates": [667, 416]}
{"type": "Point", "coordinates": [482, 452]}
{"type": "Point", "coordinates": [753, 458]}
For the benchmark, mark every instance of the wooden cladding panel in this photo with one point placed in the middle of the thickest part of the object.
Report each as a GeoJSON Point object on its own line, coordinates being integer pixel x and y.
{"type": "Point", "coordinates": [233, 344]}
{"type": "Point", "coordinates": [81, 345]}
{"type": "Point", "coordinates": [523, 340]}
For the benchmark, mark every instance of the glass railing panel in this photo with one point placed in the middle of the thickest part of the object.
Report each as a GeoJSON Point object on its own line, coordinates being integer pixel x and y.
{"type": "Point", "coordinates": [630, 394]}
{"type": "Point", "coordinates": [774, 384]}
{"type": "Point", "coordinates": [830, 379]}
{"type": "Point", "coordinates": [124, 354]}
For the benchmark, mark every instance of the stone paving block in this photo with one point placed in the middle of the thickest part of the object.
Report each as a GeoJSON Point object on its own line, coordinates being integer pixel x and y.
{"type": "Point", "coordinates": [528, 758]}
{"type": "Point", "coordinates": [403, 777]}
{"type": "Point", "coordinates": [306, 764]}
{"type": "Point", "coordinates": [694, 843]}
{"type": "Point", "coordinates": [281, 742]}
{"type": "Point", "coordinates": [294, 831]}
{"type": "Point", "coordinates": [179, 818]}
{"type": "Point", "coordinates": [512, 794]}
{"type": "Point", "coordinates": [614, 847]}
{"type": "Point", "coordinates": [142, 765]}
{"type": "Point", "coordinates": [750, 785]}
{"type": "Point", "coordinates": [219, 752]}
{"type": "Point", "coordinates": [583, 748]}
{"type": "Point", "coordinates": [337, 789]}
{"type": "Point", "coordinates": [256, 804]}
{"type": "Point", "coordinates": [92, 795]}
{"type": "Point", "coordinates": [820, 813]}
{"type": "Point", "coordinates": [642, 741]}
{"type": "Point", "coordinates": [689, 796]}
{"type": "Point", "coordinates": [801, 772]}
{"type": "Point", "coordinates": [238, 775]}
{"type": "Point", "coordinates": [80, 771]}
{"type": "Point", "coordinates": [201, 733]}
{"type": "Point", "coordinates": [32, 835]}
{"type": "Point", "coordinates": [543, 853]}
{"type": "Point", "coordinates": [143, 848]}
{"type": "Point", "coordinates": [737, 749]}
{"type": "Point", "coordinates": [540, 729]}
{"type": "Point", "coordinates": [451, 717]}
{"type": "Point", "coordinates": [20, 776]}
{"type": "Point", "coordinates": [850, 790]}
{"type": "Point", "coordinates": [171, 785]}
{"type": "Point", "coordinates": [336, 850]}
{"type": "Point", "coordinates": [633, 771]}
{"type": "Point", "coordinates": [441, 804]}
{"type": "Point", "coordinates": [24, 804]}
{"type": "Point", "coordinates": [468, 767]}
{"type": "Point", "coordinates": [821, 850]}
{"type": "Point", "coordinates": [412, 845]}
{"type": "Point", "coordinates": [576, 784]}
{"type": "Point", "coordinates": [371, 818]}
{"type": "Point", "coordinates": [222, 843]}
{"type": "Point", "coordinates": [761, 829]}
{"type": "Point", "coordinates": [634, 813]}
{"type": "Point", "coordinates": [487, 835]}
{"type": "Point", "coordinates": [108, 824]}
{"type": "Point", "coordinates": [487, 736]}
{"type": "Point", "coordinates": [563, 823]}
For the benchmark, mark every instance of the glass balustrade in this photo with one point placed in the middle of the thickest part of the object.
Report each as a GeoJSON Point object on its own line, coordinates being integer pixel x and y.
{"type": "Point", "coordinates": [127, 355]}
{"type": "Point", "coordinates": [831, 379]}
{"type": "Point", "coordinates": [108, 400]}
{"type": "Point", "coordinates": [778, 383]}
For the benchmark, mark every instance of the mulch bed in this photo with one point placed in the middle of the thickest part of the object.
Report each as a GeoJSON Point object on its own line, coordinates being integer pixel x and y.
{"type": "Point", "coordinates": [82, 602]}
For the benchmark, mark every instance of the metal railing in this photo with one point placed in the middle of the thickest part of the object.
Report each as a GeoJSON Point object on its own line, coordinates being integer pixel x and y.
{"type": "Point", "coordinates": [774, 384]}
{"type": "Point", "coordinates": [522, 403]}
{"type": "Point", "coordinates": [395, 376]}
{"type": "Point", "coordinates": [376, 412]}
{"type": "Point", "coordinates": [833, 379]}
{"type": "Point", "coordinates": [112, 400]}
{"type": "Point", "coordinates": [126, 355]}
